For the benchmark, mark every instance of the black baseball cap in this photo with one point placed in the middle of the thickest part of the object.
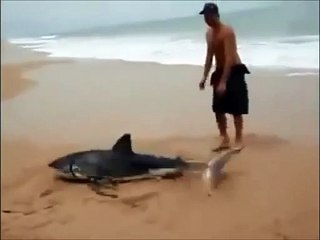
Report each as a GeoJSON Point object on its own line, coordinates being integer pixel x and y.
{"type": "Point", "coordinates": [210, 8]}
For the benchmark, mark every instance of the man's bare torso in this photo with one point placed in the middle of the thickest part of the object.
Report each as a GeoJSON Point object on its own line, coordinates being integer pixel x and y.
{"type": "Point", "coordinates": [216, 38]}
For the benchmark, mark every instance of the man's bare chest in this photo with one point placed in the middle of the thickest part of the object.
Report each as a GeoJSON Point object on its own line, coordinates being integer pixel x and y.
{"type": "Point", "coordinates": [218, 46]}
{"type": "Point", "coordinates": [217, 42]}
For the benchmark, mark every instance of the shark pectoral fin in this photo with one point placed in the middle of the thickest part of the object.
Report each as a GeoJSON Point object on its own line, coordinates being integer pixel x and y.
{"type": "Point", "coordinates": [98, 189]}
{"type": "Point", "coordinates": [123, 145]}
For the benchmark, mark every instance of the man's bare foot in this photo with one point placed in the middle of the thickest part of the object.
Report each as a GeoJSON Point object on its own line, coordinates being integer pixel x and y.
{"type": "Point", "coordinates": [225, 144]}
{"type": "Point", "coordinates": [238, 146]}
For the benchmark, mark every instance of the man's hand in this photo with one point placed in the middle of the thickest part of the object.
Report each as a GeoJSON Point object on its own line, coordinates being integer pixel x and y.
{"type": "Point", "coordinates": [221, 88]}
{"type": "Point", "coordinates": [202, 84]}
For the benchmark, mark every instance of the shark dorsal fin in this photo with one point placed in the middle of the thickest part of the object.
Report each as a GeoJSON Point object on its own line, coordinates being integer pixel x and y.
{"type": "Point", "coordinates": [123, 145]}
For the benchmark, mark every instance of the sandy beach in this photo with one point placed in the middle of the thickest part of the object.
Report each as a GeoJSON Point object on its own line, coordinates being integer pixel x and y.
{"type": "Point", "coordinates": [51, 107]}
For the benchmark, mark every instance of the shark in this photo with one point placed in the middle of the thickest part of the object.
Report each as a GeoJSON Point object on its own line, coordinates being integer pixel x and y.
{"type": "Point", "coordinates": [106, 168]}
{"type": "Point", "coordinates": [117, 164]}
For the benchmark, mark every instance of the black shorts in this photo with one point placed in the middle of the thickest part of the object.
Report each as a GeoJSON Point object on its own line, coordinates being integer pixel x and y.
{"type": "Point", "coordinates": [235, 99]}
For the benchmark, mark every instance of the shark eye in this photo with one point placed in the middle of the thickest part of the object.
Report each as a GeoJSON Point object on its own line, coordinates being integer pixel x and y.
{"type": "Point", "coordinates": [75, 168]}
{"type": "Point", "coordinates": [77, 171]}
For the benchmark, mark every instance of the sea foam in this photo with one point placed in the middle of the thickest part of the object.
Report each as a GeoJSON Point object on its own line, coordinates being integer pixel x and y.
{"type": "Point", "coordinates": [288, 52]}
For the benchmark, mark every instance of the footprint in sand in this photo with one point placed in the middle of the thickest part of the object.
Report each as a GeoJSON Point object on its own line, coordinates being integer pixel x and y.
{"type": "Point", "coordinates": [140, 203]}
{"type": "Point", "coordinates": [131, 201]}
{"type": "Point", "coordinates": [281, 235]}
{"type": "Point", "coordinates": [46, 193]}
{"type": "Point", "coordinates": [41, 224]}
{"type": "Point", "coordinates": [49, 205]}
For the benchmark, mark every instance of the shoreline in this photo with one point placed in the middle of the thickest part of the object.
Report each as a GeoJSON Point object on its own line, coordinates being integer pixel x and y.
{"type": "Point", "coordinates": [45, 56]}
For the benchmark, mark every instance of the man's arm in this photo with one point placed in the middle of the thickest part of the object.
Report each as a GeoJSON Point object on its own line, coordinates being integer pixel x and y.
{"type": "Point", "coordinates": [210, 52]}
{"type": "Point", "coordinates": [230, 49]}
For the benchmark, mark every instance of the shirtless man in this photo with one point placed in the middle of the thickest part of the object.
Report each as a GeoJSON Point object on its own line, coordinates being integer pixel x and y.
{"type": "Point", "coordinates": [230, 94]}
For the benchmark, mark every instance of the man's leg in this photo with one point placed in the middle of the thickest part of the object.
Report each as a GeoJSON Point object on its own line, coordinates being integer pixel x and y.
{"type": "Point", "coordinates": [238, 124]}
{"type": "Point", "coordinates": [221, 120]}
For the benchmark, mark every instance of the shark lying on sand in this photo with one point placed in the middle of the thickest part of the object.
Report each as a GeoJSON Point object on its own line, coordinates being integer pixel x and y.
{"type": "Point", "coordinates": [120, 163]}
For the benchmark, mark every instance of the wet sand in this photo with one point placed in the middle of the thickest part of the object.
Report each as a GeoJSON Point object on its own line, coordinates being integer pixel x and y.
{"type": "Point", "coordinates": [51, 107]}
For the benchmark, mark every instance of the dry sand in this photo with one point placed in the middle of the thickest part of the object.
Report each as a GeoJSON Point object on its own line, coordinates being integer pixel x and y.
{"type": "Point", "coordinates": [53, 107]}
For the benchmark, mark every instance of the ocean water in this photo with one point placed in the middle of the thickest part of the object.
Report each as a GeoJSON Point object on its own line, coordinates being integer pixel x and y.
{"type": "Point", "coordinates": [278, 35]}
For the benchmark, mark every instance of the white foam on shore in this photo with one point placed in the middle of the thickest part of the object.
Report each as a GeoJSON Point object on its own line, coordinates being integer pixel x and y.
{"type": "Point", "coordinates": [302, 74]}
{"type": "Point", "coordinates": [289, 52]}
